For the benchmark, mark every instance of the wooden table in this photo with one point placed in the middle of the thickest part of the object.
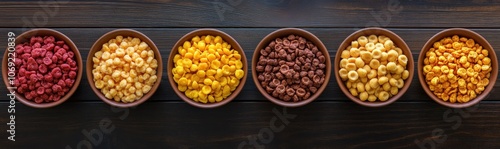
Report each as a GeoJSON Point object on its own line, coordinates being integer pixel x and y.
{"type": "Point", "coordinates": [332, 121]}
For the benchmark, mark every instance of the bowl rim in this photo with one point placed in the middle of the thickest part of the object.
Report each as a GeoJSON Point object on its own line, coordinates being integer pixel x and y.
{"type": "Point", "coordinates": [58, 36]}
{"type": "Point", "coordinates": [227, 38]}
{"type": "Point", "coordinates": [282, 33]}
{"type": "Point", "coordinates": [462, 32]}
{"type": "Point", "coordinates": [98, 45]}
{"type": "Point", "coordinates": [396, 39]}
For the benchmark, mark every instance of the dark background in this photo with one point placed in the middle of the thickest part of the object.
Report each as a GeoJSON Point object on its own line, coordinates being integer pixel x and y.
{"type": "Point", "coordinates": [331, 121]}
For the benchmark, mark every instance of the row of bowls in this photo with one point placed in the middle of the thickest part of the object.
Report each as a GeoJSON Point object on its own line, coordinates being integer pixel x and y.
{"type": "Point", "coordinates": [264, 42]}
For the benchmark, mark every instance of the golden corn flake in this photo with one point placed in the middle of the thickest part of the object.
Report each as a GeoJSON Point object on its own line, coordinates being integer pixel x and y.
{"type": "Point", "coordinates": [457, 69]}
{"type": "Point", "coordinates": [207, 69]}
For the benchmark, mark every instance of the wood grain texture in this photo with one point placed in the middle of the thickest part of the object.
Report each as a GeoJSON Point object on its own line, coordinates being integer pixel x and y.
{"type": "Point", "coordinates": [242, 13]}
{"type": "Point", "coordinates": [332, 121]}
{"type": "Point", "coordinates": [248, 38]}
{"type": "Point", "coordinates": [179, 125]}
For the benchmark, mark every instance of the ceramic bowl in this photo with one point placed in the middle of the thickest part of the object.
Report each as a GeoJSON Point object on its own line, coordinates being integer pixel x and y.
{"type": "Point", "coordinates": [398, 41]}
{"type": "Point", "coordinates": [25, 37]}
{"type": "Point", "coordinates": [478, 40]}
{"type": "Point", "coordinates": [98, 46]}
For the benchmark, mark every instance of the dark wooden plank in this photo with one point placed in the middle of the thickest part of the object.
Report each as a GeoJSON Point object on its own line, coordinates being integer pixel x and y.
{"type": "Point", "coordinates": [318, 125]}
{"type": "Point", "coordinates": [333, 121]}
{"type": "Point", "coordinates": [248, 38]}
{"type": "Point", "coordinates": [240, 13]}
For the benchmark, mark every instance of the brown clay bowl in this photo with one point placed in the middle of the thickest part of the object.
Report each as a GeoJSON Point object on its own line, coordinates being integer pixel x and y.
{"type": "Point", "coordinates": [281, 33]}
{"type": "Point", "coordinates": [462, 33]}
{"type": "Point", "coordinates": [97, 47]}
{"type": "Point", "coordinates": [201, 32]}
{"type": "Point", "coordinates": [397, 41]}
{"type": "Point", "coordinates": [25, 37]}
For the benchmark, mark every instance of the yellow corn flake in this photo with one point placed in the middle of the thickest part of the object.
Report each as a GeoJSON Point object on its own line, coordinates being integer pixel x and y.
{"type": "Point", "coordinates": [207, 69]}
{"type": "Point", "coordinates": [239, 74]}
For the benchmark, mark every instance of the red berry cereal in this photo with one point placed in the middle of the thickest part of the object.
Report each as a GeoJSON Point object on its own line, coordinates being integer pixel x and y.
{"type": "Point", "coordinates": [46, 69]}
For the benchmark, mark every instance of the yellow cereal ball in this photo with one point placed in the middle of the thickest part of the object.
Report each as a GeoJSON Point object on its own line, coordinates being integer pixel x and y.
{"type": "Point", "coordinates": [362, 72]}
{"type": "Point", "coordinates": [351, 66]}
{"type": "Point", "coordinates": [380, 46]}
{"type": "Point", "coordinates": [352, 75]}
{"type": "Point", "coordinates": [207, 81]}
{"type": "Point", "coordinates": [383, 56]}
{"type": "Point", "coordinates": [374, 64]}
{"type": "Point", "coordinates": [211, 99]}
{"type": "Point", "coordinates": [239, 64]}
{"type": "Point", "coordinates": [186, 63]}
{"type": "Point", "coordinates": [400, 83]}
{"type": "Point", "coordinates": [374, 83]}
{"type": "Point", "coordinates": [353, 91]}
{"type": "Point", "coordinates": [364, 80]}
{"type": "Point", "coordinates": [370, 47]}
{"type": "Point", "coordinates": [382, 70]}
{"type": "Point", "coordinates": [376, 54]}
{"type": "Point", "coordinates": [399, 69]}
{"type": "Point", "coordinates": [183, 81]}
{"type": "Point", "coordinates": [354, 44]}
{"type": "Point", "coordinates": [354, 52]}
{"type": "Point", "coordinates": [146, 88]}
{"type": "Point", "coordinates": [391, 67]}
{"type": "Point", "coordinates": [388, 44]}
{"type": "Point", "coordinates": [406, 74]}
{"type": "Point", "coordinates": [105, 55]}
{"type": "Point", "coordinates": [187, 45]}
{"type": "Point", "coordinates": [393, 82]}
{"type": "Point", "coordinates": [219, 73]}
{"type": "Point", "coordinates": [239, 74]}
{"type": "Point", "coordinates": [386, 86]}
{"type": "Point", "coordinates": [344, 73]}
{"type": "Point", "coordinates": [363, 96]}
{"type": "Point", "coordinates": [201, 45]}
{"type": "Point", "coordinates": [215, 85]}
{"type": "Point", "coordinates": [362, 40]}
{"type": "Point", "coordinates": [368, 88]}
{"type": "Point", "coordinates": [394, 90]}
{"type": "Point", "coordinates": [359, 62]}
{"type": "Point", "coordinates": [215, 64]}
{"type": "Point", "coordinates": [392, 56]}
{"type": "Point", "coordinates": [211, 72]}
{"type": "Point", "coordinates": [360, 86]}
{"type": "Point", "coordinates": [373, 39]}
{"type": "Point", "coordinates": [206, 89]}
{"type": "Point", "coordinates": [382, 80]}
{"type": "Point", "coordinates": [345, 54]}
{"type": "Point", "coordinates": [383, 96]}
{"type": "Point", "coordinates": [99, 84]}
{"type": "Point", "coordinates": [367, 68]}
{"type": "Point", "coordinates": [372, 98]}
{"type": "Point", "coordinates": [372, 74]}
{"type": "Point", "coordinates": [403, 60]}
{"type": "Point", "coordinates": [120, 52]}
